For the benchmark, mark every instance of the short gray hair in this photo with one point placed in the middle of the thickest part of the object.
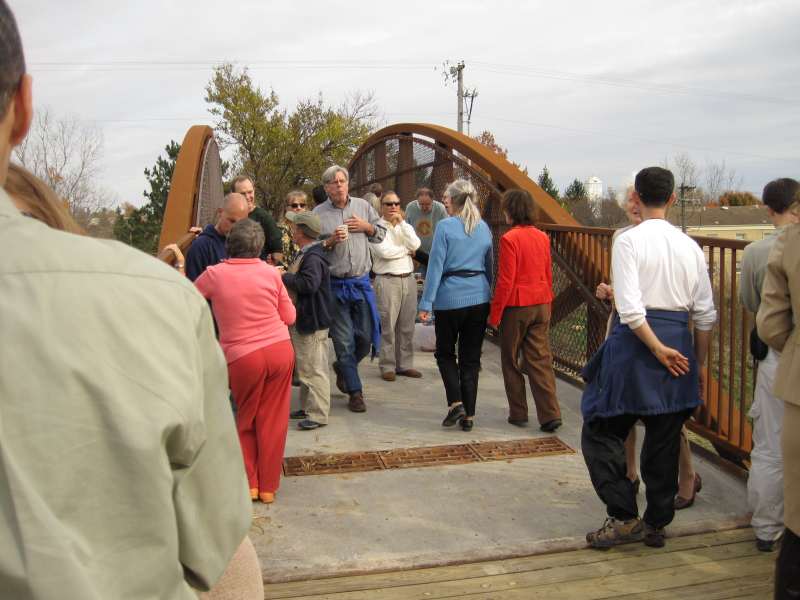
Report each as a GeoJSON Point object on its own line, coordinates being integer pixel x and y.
{"type": "Point", "coordinates": [330, 173]}
{"type": "Point", "coordinates": [245, 240]}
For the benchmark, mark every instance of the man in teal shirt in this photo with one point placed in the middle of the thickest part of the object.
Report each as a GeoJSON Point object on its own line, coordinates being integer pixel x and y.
{"type": "Point", "coordinates": [423, 214]}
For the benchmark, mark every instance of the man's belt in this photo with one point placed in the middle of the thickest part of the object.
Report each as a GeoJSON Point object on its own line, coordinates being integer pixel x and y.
{"type": "Point", "coordinates": [394, 274]}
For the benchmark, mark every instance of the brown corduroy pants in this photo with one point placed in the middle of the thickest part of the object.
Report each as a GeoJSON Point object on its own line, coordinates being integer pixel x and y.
{"type": "Point", "coordinates": [525, 349]}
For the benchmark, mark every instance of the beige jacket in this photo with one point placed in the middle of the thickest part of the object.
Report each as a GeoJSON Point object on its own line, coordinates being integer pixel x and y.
{"type": "Point", "coordinates": [777, 318]}
{"type": "Point", "coordinates": [120, 469]}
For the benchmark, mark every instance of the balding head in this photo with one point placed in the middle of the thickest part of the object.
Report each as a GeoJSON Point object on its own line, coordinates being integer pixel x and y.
{"type": "Point", "coordinates": [233, 210]}
{"type": "Point", "coordinates": [16, 104]}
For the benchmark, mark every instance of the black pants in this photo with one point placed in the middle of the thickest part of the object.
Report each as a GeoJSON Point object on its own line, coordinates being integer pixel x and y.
{"type": "Point", "coordinates": [787, 567]}
{"type": "Point", "coordinates": [465, 327]}
{"type": "Point", "coordinates": [603, 445]}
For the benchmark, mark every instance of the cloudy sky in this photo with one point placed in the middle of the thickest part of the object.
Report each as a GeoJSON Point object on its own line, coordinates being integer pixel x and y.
{"type": "Point", "coordinates": [587, 88]}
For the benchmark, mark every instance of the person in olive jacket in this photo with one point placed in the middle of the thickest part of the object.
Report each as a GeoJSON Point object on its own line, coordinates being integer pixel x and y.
{"type": "Point", "coordinates": [308, 281]}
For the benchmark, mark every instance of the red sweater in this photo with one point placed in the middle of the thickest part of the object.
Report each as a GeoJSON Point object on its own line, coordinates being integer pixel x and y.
{"type": "Point", "coordinates": [525, 273]}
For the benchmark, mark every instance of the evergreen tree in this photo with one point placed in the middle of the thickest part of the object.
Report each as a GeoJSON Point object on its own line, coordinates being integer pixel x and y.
{"type": "Point", "coordinates": [546, 183]}
{"type": "Point", "coordinates": [576, 191]}
{"type": "Point", "coordinates": [141, 227]}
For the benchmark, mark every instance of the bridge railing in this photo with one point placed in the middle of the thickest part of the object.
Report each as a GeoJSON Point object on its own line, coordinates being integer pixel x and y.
{"type": "Point", "coordinates": [581, 260]}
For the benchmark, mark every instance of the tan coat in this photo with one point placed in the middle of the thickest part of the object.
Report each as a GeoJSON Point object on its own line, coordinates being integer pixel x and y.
{"type": "Point", "coordinates": [778, 316]}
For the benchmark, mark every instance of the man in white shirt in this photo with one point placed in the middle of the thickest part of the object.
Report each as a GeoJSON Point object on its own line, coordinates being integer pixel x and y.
{"type": "Point", "coordinates": [396, 290]}
{"type": "Point", "coordinates": [648, 368]}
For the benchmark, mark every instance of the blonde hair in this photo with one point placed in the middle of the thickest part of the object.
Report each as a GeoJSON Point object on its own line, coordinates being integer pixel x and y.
{"type": "Point", "coordinates": [34, 198]}
{"type": "Point", "coordinates": [464, 200]}
{"type": "Point", "coordinates": [296, 194]}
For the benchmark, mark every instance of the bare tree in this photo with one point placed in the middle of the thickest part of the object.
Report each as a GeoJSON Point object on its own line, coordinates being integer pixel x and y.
{"type": "Point", "coordinates": [686, 170]}
{"type": "Point", "coordinates": [65, 153]}
{"type": "Point", "coordinates": [720, 179]}
{"type": "Point", "coordinates": [361, 106]}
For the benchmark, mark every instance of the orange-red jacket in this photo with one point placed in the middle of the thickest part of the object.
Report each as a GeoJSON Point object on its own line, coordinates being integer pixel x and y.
{"type": "Point", "coordinates": [525, 272]}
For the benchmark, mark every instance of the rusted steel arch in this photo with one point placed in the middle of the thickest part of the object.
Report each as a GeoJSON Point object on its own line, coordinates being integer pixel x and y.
{"type": "Point", "coordinates": [502, 174]}
{"type": "Point", "coordinates": [196, 188]}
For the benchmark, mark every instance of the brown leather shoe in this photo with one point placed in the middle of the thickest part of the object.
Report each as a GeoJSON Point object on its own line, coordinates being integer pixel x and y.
{"type": "Point", "coordinates": [681, 502]}
{"type": "Point", "coordinates": [339, 379]}
{"type": "Point", "coordinates": [410, 373]}
{"type": "Point", "coordinates": [388, 376]}
{"type": "Point", "coordinates": [356, 403]}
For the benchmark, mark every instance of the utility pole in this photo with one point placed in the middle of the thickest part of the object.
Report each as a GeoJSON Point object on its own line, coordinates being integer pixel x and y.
{"type": "Point", "coordinates": [469, 98]}
{"type": "Point", "coordinates": [683, 189]}
{"type": "Point", "coordinates": [460, 79]}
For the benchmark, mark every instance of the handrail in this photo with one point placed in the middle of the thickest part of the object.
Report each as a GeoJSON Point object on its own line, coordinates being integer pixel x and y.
{"type": "Point", "coordinates": [730, 374]}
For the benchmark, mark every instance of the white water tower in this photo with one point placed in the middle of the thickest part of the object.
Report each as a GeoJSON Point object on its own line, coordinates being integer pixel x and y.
{"type": "Point", "coordinates": [594, 188]}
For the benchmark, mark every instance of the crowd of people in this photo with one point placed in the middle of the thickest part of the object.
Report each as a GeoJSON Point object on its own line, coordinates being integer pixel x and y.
{"type": "Point", "coordinates": [122, 475]}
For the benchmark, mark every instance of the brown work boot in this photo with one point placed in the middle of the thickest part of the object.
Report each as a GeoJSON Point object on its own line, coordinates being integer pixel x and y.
{"type": "Point", "coordinates": [413, 373]}
{"type": "Point", "coordinates": [615, 532]}
{"type": "Point", "coordinates": [388, 376]}
{"type": "Point", "coordinates": [356, 402]}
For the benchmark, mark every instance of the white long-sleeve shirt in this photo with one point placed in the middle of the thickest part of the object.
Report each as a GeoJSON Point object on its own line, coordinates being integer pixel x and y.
{"type": "Point", "coordinates": [656, 266]}
{"type": "Point", "coordinates": [393, 254]}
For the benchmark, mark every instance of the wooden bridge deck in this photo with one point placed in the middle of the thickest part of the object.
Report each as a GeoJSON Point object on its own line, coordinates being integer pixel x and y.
{"type": "Point", "coordinates": [710, 566]}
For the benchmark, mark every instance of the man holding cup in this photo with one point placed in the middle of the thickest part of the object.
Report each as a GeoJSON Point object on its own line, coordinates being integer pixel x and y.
{"type": "Point", "coordinates": [348, 225]}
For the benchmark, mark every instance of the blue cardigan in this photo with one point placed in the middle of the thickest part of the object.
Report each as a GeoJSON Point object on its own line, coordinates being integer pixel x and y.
{"type": "Point", "coordinates": [454, 250]}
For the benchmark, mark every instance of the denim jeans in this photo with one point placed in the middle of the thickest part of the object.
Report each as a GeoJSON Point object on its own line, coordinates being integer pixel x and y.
{"type": "Point", "coordinates": [351, 332]}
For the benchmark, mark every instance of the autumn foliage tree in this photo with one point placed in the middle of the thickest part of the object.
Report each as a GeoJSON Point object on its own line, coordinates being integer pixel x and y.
{"type": "Point", "coordinates": [487, 139]}
{"type": "Point", "coordinates": [738, 199]}
{"type": "Point", "coordinates": [280, 149]}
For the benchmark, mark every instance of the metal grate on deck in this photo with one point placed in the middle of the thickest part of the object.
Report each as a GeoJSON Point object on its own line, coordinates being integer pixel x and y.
{"type": "Point", "coordinates": [429, 456]}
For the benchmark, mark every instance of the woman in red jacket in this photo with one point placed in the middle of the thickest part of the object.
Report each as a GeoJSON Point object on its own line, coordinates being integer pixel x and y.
{"type": "Point", "coordinates": [521, 308]}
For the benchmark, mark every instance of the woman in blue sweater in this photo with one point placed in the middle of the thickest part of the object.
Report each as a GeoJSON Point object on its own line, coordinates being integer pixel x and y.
{"type": "Point", "coordinates": [458, 287]}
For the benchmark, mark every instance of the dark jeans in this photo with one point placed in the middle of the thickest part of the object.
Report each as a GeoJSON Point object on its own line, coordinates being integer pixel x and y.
{"type": "Point", "coordinates": [351, 332]}
{"type": "Point", "coordinates": [787, 567]}
{"type": "Point", "coordinates": [603, 445]}
{"type": "Point", "coordinates": [465, 327]}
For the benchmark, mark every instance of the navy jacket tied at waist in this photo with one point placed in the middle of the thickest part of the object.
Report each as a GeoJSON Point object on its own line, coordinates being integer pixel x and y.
{"type": "Point", "coordinates": [359, 289]}
{"type": "Point", "coordinates": [624, 377]}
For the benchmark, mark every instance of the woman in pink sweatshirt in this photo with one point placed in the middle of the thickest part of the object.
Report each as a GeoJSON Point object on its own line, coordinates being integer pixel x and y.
{"type": "Point", "coordinates": [253, 312]}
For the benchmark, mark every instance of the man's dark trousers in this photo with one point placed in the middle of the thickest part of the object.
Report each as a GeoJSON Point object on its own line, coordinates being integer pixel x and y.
{"type": "Point", "coordinates": [602, 442]}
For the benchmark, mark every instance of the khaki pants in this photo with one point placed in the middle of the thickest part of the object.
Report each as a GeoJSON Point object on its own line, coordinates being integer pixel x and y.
{"type": "Point", "coordinates": [791, 467]}
{"type": "Point", "coordinates": [525, 348]}
{"type": "Point", "coordinates": [311, 358]}
{"type": "Point", "coordinates": [397, 306]}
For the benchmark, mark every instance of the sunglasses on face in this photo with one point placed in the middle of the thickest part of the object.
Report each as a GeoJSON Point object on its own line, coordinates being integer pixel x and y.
{"type": "Point", "coordinates": [391, 204]}
{"type": "Point", "coordinates": [297, 205]}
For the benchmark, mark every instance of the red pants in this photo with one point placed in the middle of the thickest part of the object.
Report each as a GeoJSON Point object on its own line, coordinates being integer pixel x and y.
{"type": "Point", "coordinates": [261, 383]}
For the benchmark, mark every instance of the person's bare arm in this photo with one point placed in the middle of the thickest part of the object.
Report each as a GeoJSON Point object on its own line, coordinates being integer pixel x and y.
{"type": "Point", "coordinates": [702, 339]}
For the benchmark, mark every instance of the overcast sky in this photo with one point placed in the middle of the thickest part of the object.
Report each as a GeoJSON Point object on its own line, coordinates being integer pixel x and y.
{"type": "Point", "coordinates": [587, 88]}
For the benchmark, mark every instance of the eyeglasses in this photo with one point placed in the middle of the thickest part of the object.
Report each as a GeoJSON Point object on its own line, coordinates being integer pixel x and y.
{"type": "Point", "coordinates": [391, 204]}
{"type": "Point", "coordinates": [297, 205]}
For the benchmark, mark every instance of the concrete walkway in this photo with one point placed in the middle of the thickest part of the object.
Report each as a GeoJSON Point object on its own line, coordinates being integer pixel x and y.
{"type": "Point", "coordinates": [327, 525]}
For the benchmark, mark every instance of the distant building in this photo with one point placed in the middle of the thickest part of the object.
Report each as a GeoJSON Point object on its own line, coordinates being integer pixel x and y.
{"type": "Point", "coordinates": [594, 188]}
{"type": "Point", "coordinates": [746, 223]}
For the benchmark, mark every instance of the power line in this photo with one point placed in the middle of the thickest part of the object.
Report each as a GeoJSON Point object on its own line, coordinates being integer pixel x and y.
{"type": "Point", "coordinates": [644, 140]}
{"type": "Point", "coordinates": [668, 88]}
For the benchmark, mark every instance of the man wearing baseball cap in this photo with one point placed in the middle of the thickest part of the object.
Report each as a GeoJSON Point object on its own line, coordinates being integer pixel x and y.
{"type": "Point", "coordinates": [308, 281]}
